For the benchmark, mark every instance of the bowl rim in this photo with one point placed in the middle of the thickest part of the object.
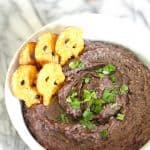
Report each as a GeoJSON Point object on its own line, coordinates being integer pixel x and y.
{"type": "Point", "coordinates": [57, 26]}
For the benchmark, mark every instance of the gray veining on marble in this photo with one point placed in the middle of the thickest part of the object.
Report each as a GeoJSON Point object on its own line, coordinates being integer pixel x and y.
{"type": "Point", "coordinates": [20, 18]}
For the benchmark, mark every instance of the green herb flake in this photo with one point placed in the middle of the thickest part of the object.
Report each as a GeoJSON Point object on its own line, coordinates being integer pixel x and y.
{"type": "Point", "coordinates": [87, 115]}
{"type": "Point", "coordinates": [63, 118]}
{"type": "Point", "coordinates": [75, 103]}
{"type": "Point", "coordinates": [89, 95]}
{"type": "Point", "coordinates": [73, 100]}
{"type": "Point", "coordinates": [87, 124]}
{"type": "Point", "coordinates": [76, 64]}
{"type": "Point", "coordinates": [113, 78]}
{"type": "Point", "coordinates": [101, 75]}
{"type": "Point", "coordinates": [72, 96]}
{"type": "Point", "coordinates": [124, 89]}
{"type": "Point", "coordinates": [100, 70]}
{"type": "Point", "coordinates": [109, 69]}
{"type": "Point", "coordinates": [86, 120]}
{"type": "Point", "coordinates": [120, 117]}
{"type": "Point", "coordinates": [97, 106]}
{"type": "Point", "coordinates": [86, 79]}
{"type": "Point", "coordinates": [104, 133]}
{"type": "Point", "coordinates": [109, 95]}
{"type": "Point", "coordinates": [74, 93]}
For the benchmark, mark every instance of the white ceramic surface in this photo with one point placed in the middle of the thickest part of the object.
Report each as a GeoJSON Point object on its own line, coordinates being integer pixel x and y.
{"type": "Point", "coordinates": [95, 27]}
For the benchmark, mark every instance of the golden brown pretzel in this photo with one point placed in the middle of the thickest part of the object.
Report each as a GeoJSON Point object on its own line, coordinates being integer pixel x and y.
{"type": "Point", "coordinates": [22, 84]}
{"type": "Point", "coordinates": [49, 80]}
{"type": "Point", "coordinates": [69, 43]}
{"type": "Point", "coordinates": [27, 54]}
{"type": "Point", "coordinates": [45, 48]}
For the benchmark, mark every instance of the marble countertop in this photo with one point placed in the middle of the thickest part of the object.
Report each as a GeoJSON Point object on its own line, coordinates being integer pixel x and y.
{"type": "Point", "coordinates": [20, 18]}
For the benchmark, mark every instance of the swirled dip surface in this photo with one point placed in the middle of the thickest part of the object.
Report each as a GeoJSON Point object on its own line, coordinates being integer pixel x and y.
{"type": "Point", "coordinates": [129, 133]}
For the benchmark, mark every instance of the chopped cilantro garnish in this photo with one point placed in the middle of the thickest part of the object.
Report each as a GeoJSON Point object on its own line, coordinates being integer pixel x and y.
{"type": "Point", "coordinates": [87, 124]}
{"type": "Point", "coordinates": [97, 106]}
{"type": "Point", "coordinates": [104, 133]}
{"type": "Point", "coordinates": [86, 79]}
{"type": "Point", "coordinates": [87, 115]}
{"type": "Point", "coordinates": [120, 117]}
{"type": "Point", "coordinates": [73, 100]}
{"type": "Point", "coordinates": [94, 103]}
{"type": "Point", "coordinates": [73, 94]}
{"type": "Point", "coordinates": [124, 89]}
{"type": "Point", "coordinates": [100, 70]}
{"type": "Point", "coordinates": [76, 64]}
{"type": "Point", "coordinates": [101, 75]}
{"type": "Point", "coordinates": [113, 78]}
{"type": "Point", "coordinates": [75, 104]}
{"type": "Point", "coordinates": [106, 70]}
{"type": "Point", "coordinates": [86, 120]}
{"type": "Point", "coordinates": [109, 95]}
{"type": "Point", "coordinates": [89, 95]}
{"type": "Point", "coordinates": [63, 118]}
{"type": "Point", "coordinates": [109, 69]}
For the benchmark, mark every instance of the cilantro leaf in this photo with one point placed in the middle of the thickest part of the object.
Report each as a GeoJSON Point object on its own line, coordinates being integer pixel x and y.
{"type": "Point", "coordinates": [89, 95]}
{"type": "Point", "coordinates": [97, 106]}
{"type": "Point", "coordinates": [73, 100]}
{"type": "Point", "coordinates": [75, 103]}
{"type": "Point", "coordinates": [101, 75]}
{"type": "Point", "coordinates": [86, 79]}
{"type": "Point", "coordinates": [109, 95]}
{"type": "Point", "coordinates": [94, 103]}
{"type": "Point", "coordinates": [86, 119]}
{"type": "Point", "coordinates": [72, 96]}
{"type": "Point", "coordinates": [109, 69]}
{"type": "Point", "coordinates": [124, 89]}
{"type": "Point", "coordinates": [63, 118]}
{"type": "Point", "coordinates": [73, 93]}
{"type": "Point", "coordinates": [87, 114]}
{"type": "Point", "coordinates": [100, 72]}
{"type": "Point", "coordinates": [113, 78]}
{"type": "Point", "coordinates": [76, 64]}
{"type": "Point", "coordinates": [120, 117]}
{"type": "Point", "coordinates": [104, 133]}
{"type": "Point", "coordinates": [87, 124]}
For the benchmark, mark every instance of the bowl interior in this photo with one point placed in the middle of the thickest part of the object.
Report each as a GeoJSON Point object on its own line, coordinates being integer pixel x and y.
{"type": "Point", "coordinates": [95, 27]}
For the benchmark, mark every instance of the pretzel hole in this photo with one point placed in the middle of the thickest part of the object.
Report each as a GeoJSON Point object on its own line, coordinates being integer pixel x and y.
{"type": "Point", "coordinates": [22, 82]}
{"type": "Point", "coordinates": [46, 79]}
{"type": "Point", "coordinates": [66, 41]}
{"type": "Point", "coordinates": [44, 48]}
{"type": "Point", "coordinates": [37, 96]}
{"type": "Point", "coordinates": [55, 83]}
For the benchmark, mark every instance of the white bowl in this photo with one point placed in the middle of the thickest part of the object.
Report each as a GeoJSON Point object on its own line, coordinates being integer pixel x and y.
{"type": "Point", "coordinates": [95, 27]}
